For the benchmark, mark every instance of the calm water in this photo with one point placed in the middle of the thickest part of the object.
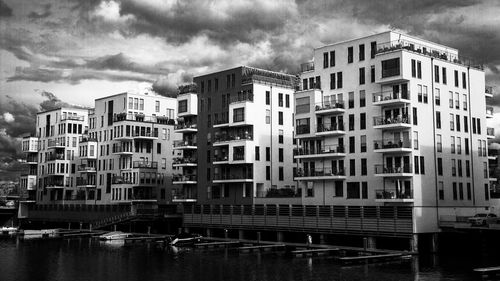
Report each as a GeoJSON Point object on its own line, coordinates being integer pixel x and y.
{"type": "Point", "coordinates": [86, 259]}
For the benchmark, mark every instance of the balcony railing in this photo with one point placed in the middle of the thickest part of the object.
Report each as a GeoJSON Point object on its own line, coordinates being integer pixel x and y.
{"type": "Point", "coordinates": [330, 127]}
{"type": "Point", "coordinates": [393, 194]}
{"type": "Point", "coordinates": [325, 172]}
{"type": "Point", "coordinates": [189, 88]}
{"type": "Point", "coordinates": [242, 176]}
{"type": "Point", "coordinates": [489, 90]}
{"type": "Point", "coordinates": [326, 149]}
{"type": "Point", "coordinates": [83, 181]}
{"type": "Point", "coordinates": [85, 168]}
{"type": "Point", "coordinates": [238, 156]}
{"type": "Point", "coordinates": [121, 180]}
{"type": "Point", "coordinates": [184, 178]}
{"type": "Point", "coordinates": [302, 129]}
{"type": "Point", "coordinates": [382, 120]}
{"type": "Point", "coordinates": [489, 110]}
{"type": "Point", "coordinates": [53, 157]}
{"type": "Point", "coordinates": [386, 144]}
{"type": "Point", "coordinates": [184, 143]}
{"type": "Point", "coordinates": [490, 132]}
{"type": "Point", "coordinates": [241, 97]}
{"type": "Point", "coordinates": [279, 193]}
{"type": "Point", "coordinates": [383, 169]}
{"type": "Point", "coordinates": [220, 158]}
{"type": "Point", "coordinates": [390, 95]}
{"type": "Point", "coordinates": [185, 126]}
{"type": "Point", "coordinates": [307, 66]}
{"type": "Point", "coordinates": [52, 143]}
{"type": "Point", "coordinates": [119, 149]}
{"type": "Point", "coordinates": [426, 50]}
{"type": "Point", "coordinates": [139, 117]}
{"type": "Point", "coordinates": [72, 118]}
{"type": "Point", "coordinates": [233, 137]}
{"type": "Point", "coordinates": [146, 134]}
{"type": "Point", "coordinates": [329, 105]}
{"type": "Point", "coordinates": [145, 165]}
{"type": "Point", "coordinates": [221, 121]}
{"type": "Point", "coordinates": [185, 160]}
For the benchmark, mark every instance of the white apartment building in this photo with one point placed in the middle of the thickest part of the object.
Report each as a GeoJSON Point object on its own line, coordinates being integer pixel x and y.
{"type": "Point", "coordinates": [27, 180]}
{"type": "Point", "coordinates": [393, 120]}
{"type": "Point", "coordinates": [58, 132]}
{"type": "Point", "coordinates": [127, 155]}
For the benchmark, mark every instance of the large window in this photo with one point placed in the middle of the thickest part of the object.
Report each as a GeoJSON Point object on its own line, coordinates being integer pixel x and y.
{"type": "Point", "coordinates": [239, 114]}
{"type": "Point", "coordinates": [390, 67]}
{"type": "Point", "coordinates": [182, 106]}
{"type": "Point", "coordinates": [302, 105]}
{"type": "Point", "coordinates": [353, 190]}
{"type": "Point", "coordinates": [303, 126]}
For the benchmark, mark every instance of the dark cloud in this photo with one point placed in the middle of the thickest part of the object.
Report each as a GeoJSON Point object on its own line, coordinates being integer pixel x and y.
{"type": "Point", "coordinates": [122, 63]}
{"type": "Point", "coordinates": [5, 11]}
{"type": "Point", "coordinates": [41, 15]}
{"type": "Point", "coordinates": [167, 86]}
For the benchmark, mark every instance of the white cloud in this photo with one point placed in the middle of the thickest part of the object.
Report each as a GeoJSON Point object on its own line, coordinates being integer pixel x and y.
{"type": "Point", "coordinates": [110, 11]}
{"type": "Point", "coordinates": [8, 117]}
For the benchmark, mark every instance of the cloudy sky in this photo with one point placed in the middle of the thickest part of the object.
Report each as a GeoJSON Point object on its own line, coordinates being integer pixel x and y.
{"type": "Point", "coordinates": [54, 51]}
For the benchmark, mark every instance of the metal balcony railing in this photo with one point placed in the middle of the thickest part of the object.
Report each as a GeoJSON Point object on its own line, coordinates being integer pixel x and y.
{"type": "Point", "coordinates": [393, 194]}
{"type": "Point", "coordinates": [382, 120]}
{"type": "Point", "coordinates": [185, 160]}
{"type": "Point", "coordinates": [390, 95]}
{"type": "Point", "coordinates": [326, 149]}
{"type": "Point", "coordinates": [329, 105]}
{"type": "Point", "coordinates": [241, 97]}
{"type": "Point", "coordinates": [184, 178]}
{"type": "Point", "coordinates": [72, 118]}
{"type": "Point", "coordinates": [385, 144]}
{"type": "Point", "coordinates": [186, 126]}
{"type": "Point", "coordinates": [330, 127]}
{"type": "Point", "coordinates": [307, 66]}
{"type": "Point", "coordinates": [241, 176]}
{"type": "Point", "coordinates": [145, 165]}
{"type": "Point", "coordinates": [383, 169]}
{"type": "Point", "coordinates": [184, 143]}
{"type": "Point", "coordinates": [238, 156]}
{"type": "Point", "coordinates": [53, 157]}
{"type": "Point", "coordinates": [325, 172]}
{"type": "Point", "coordinates": [232, 137]}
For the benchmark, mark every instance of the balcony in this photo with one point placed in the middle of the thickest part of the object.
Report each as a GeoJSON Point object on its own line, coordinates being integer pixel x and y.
{"type": "Point", "coordinates": [327, 151]}
{"type": "Point", "coordinates": [86, 169]}
{"type": "Point", "coordinates": [185, 162]}
{"type": "Point", "coordinates": [32, 159]}
{"type": "Point", "coordinates": [488, 91]}
{"type": "Point", "coordinates": [81, 182]}
{"type": "Point", "coordinates": [327, 108]}
{"type": "Point", "coordinates": [145, 135]}
{"type": "Point", "coordinates": [119, 150]}
{"type": "Point", "coordinates": [225, 139]}
{"type": "Point", "coordinates": [221, 159]}
{"type": "Point", "coordinates": [184, 194]}
{"type": "Point", "coordinates": [391, 98]}
{"type": "Point", "coordinates": [490, 132]}
{"type": "Point", "coordinates": [489, 112]}
{"type": "Point", "coordinates": [186, 128]}
{"type": "Point", "coordinates": [140, 117]}
{"type": "Point", "coordinates": [121, 180]}
{"type": "Point", "coordinates": [279, 193]}
{"type": "Point", "coordinates": [153, 165]}
{"type": "Point", "coordinates": [400, 122]}
{"type": "Point", "coordinates": [427, 51]}
{"type": "Point", "coordinates": [242, 97]}
{"type": "Point", "coordinates": [182, 198]}
{"type": "Point", "coordinates": [330, 129]}
{"type": "Point", "coordinates": [320, 174]}
{"type": "Point", "coordinates": [185, 144]}
{"type": "Point", "coordinates": [87, 139]}
{"type": "Point", "coordinates": [392, 146]}
{"type": "Point", "coordinates": [72, 117]}
{"type": "Point", "coordinates": [56, 144]}
{"type": "Point", "coordinates": [393, 196]}
{"type": "Point", "coordinates": [306, 67]}
{"type": "Point", "coordinates": [230, 178]}
{"type": "Point", "coordinates": [393, 171]}
{"type": "Point", "coordinates": [53, 157]}
{"type": "Point", "coordinates": [184, 179]}
{"type": "Point", "coordinates": [219, 123]}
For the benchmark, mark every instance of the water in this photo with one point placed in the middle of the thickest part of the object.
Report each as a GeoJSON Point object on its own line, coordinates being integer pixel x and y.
{"type": "Point", "coordinates": [87, 259]}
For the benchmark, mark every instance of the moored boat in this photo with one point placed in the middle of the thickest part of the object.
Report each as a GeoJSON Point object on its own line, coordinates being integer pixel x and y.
{"type": "Point", "coordinates": [115, 235]}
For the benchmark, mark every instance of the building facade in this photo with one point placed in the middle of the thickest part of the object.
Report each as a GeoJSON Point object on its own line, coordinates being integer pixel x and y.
{"type": "Point", "coordinates": [393, 120]}
{"type": "Point", "coordinates": [27, 181]}
{"type": "Point", "coordinates": [244, 136]}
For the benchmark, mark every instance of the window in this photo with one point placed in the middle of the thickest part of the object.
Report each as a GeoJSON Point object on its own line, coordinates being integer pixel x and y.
{"type": "Point", "coordinates": [426, 97]}
{"type": "Point", "coordinates": [373, 49]}
{"type": "Point", "coordinates": [457, 100]}
{"type": "Point", "coordinates": [461, 190]}
{"type": "Point", "coordinates": [352, 167]}
{"type": "Point", "coordinates": [353, 190]}
{"type": "Point", "coordinates": [280, 154]}
{"type": "Point", "coordinates": [362, 121]}
{"type": "Point", "coordinates": [390, 68]}
{"type": "Point", "coordinates": [325, 60]}
{"type": "Point", "coordinates": [419, 69]}
{"type": "Point", "coordinates": [268, 116]}
{"type": "Point", "coordinates": [332, 81]}
{"type": "Point", "coordinates": [280, 117]}
{"type": "Point", "coordinates": [459, 162]}
{"type": "Point", "coordinates": [364, 167]}
{"type": "Point", "coordinates": [438, 120]}
{"type": "Point", "coordinates": [458, 122]}
{"type": "Point", "coordinates": [441, 190]}
{"type": "Point", "coordinates": [268, 94]}
{"type": "Point", "coordinates": [351, 99]}
{"type": "Point", "coordinates": [453, 168]}
{"type": "Point", "coordinates": [440, 166]}
{"type": "Point", "coordinates": [352, 145]}
{"type": "Point", "coordinates": [351, 122]}
{"type": "Point", "coordinates": [413, 68]}
{"type": "Point", "coordinates": [415, 140]}
{"type": "Point", "coordinates": [268, 154]}
{"type": "Point", "coordinates": [141, 104]}
{"type": "Point", "coordinates": [287, 101]}
{"type": "Point", "coordinates": [280, 99]}
{"type": "Point", "coordinates": [332, 58]}
{"type": "Point", "coordinates": [439, 143]}
{"type": "Point", "coordinates": [419, 92]}
{"type": "Point", "coordinates": [415, 116]}
{"type": "Point", "coordinates": [280, 136]}
{"type": "Point", "coordinates": [268, 173]}
{"type": "Point", "coordinates": [281, 175]}
{"type": "Point", "coordinates": [436, 74]}
{"type": "Point", "coordinates": [455, 195]}
{"type": "Point", "coordinates": [444, 75]}
{"type": "Point", "coordinates": [422, 165]}
{"type": "Point", "coordinates": [362, 52]}
{"type": "Point", "coordinates": [464, 81]}
{"type": "Point", "coordinates": [452, 121]}
{"type": "Point", "coordinates": [239, 114]}
{"type": "Point", "coordinates": [437, 95]}
{"type": "Point", "coordinates": [372, 74]}
{"type": "Point", "coordinates": [452, 143]}
{"type": "Point", "coordinates": [257, 153]}
{"type": "Point", "coordinates": [183, 106]}
{"type": "Point", "coordinates": [469, 194]}
{"type": "Point", "coordinates": [130, 103]}
{"type": "Point", "coordinates": [456, 78]}
{"type": "Point", "coordinates": [467, 168]}
{"type": "Point", "coordinates": [339, 80]}
{"type": "Point", "coordinates": [486, 192]}
{"type": "Point", "coordinates": [464, 101]}
{"type": "Point", "coordinates": [350, 54]}
{"type": "Point", "coordinates": [303, 126]}
{"type": "Point", "coordinates": [363, 143]}
{"type": "Point", "coordinates": [362, 98]}
{"type": "Point", "coordinates": [466, 142]}
{"type": "Point", "coordinates": [362, 76]}
{"type": "Point", "coordinates": [415, 163]}
{"type": "Point", "coordinates": [339, 189]}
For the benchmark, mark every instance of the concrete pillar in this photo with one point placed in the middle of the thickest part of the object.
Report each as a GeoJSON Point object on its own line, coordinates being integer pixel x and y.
{"type": "Point", "coordinates": [322, 239]}
{"type": "Point", "coordinates": [81, 225]}
{"type": "Point", "coordinates": [179, 230]}
{"type": "Point", "coordinates": [90, 226]}
{"type": "Point", "coordinates": [258, 237]}
{"type": "Point", "coordinates": [149, 230]}
{"type": "Point", "coordinates": [226, 233]}
{"type": "Point", "coordinates": [241, 234]}
{"type": "Point", "coordinates": [114, 227]}
{"type": "Point", "coordinates": [435, 242]}
{"type": "Point", "coordinates": [279, 236]}
{"type": "Point", "coordinates": [414, 243]}
{"type": "Point", "coordinates": [186, 229]}
{"type": "Point", "coordinates": [209, 233]}
{"type": "Point", "coordinates": [69, 225]}
{"type": "Point", "coordinates": [372, 243]}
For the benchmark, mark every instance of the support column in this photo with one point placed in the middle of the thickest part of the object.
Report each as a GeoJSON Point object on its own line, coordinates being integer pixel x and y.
{"type": "Point", "coordinates": [258, 237]}
{"type": "Point", "coordinates": [279, 236]}
{"type": "Point", "coordinates": [114, 227]}
{"type": "Point", "coordinates": [241, 234]}
{"type": "Point", "coordinates": [186, 229]}
{"type": "Point", "coordinates": [322, 239]}
{"type": "Point", "coordinates": [414, 243]}
{"type": "Point", "coordinates": [208, 232]}
{"type": "Point", "coordinates": [435, 242]}
{"type": "Point", "coordinates": [69, 225]}
{"type": "Point", "coordinates": [372, 243]}
{"type": "Point", "coordinates": [226, 233]}
{"type": "Point", "coordinates": [81, 226]}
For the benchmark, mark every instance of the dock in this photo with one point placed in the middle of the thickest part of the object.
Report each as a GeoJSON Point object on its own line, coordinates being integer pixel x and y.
{"type": "Point", "coordinates": [488, 272]}
{"type": "Point", "coordinates": [211, 245]}
{"type": "Point", "coordinates": [369, 258]}
{"type": "Point", "coordinates": [261, 248]}
{"type": "Point", "coordinates": [314, 252]}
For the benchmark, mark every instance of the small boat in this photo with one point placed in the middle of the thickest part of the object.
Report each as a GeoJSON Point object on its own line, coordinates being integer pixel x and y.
{"type": "Point", "coordinates": [42, 233]}
{"type": "Point", "coordinates": [185, 239]}
{"type": "Point", "coordinates": [9, 231]}
{"type": "Point", "coordinates": [115, 235]}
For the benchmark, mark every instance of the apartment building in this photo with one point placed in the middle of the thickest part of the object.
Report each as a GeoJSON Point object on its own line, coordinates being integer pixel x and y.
{"type": "Point", "coordinates": [27, 180]}
{"type": "Point", "coordinates": [58, 132]}
{"type": "Point", "coordinates": [244, 135]}
{"type": "Point", "coordinates": [390, 120]}
{"type": "Point", "coordinates": [126, 157]}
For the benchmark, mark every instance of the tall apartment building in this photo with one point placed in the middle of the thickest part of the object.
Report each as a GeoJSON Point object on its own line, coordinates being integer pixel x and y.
{"type": "Point", "coordinates": [59, 132]}
{"type": "Point", "coordinates": [244, 135]}
{"type": "Point", "coordinates": [127, 155]}
{"type": "Point", "coordinates": [393, 120]}
{"type": "Point", "coordinates": [27, 181]}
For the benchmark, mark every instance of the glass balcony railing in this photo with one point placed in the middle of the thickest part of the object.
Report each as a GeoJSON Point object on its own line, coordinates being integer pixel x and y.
{"type": "Point", "coordinates": [185, 160]}
{"type": "Point", "coordinates": [308, 66]}
{"type": "Point", "coordinates": [386, 144]}
{"type": "Point", "coordinates": [330, 127]}
{"type": "Point", "coordinates": [220, 121]}
{"type": "Point", "coordinates": [241, 97]}
{"type": "Point", "coordinates": [489, 110]}
{"type": "Point", "coordinates": [241, 176]}
{"type": "Point", "coordinates": [139, 117]}
{"type": "Point", "coordinates": [325, 172]}
{"type": "Point", "coordinates": [184, 178]}
{"type": "Point", "coordinates": [490, 132]}
{"type": "Point", "coordinates": [390, 95]}
{"type": "Point", "coordinates": [383, 169]}
{"type": "Point", "coordinates": [121, 180]}
{"type": "Point", "coordinates": [119, 149]}
{"type": "Point", "coordinates": [184, 143]}
{"type": "Point", "coordinates": [238, 156]}
{"type": "Point", "coordinates": [329, 105]}
{"type": "Point", "coordinates": [85, 168]}
{"type": "Point", "coordinates": [145, 165]}
{"type": "Point", "coordinates": [326, 149]}
{"type": "Point", "coordinates": [279, 193]}
{"type": "Point", "coordinates": [87, 139]}
{"type": "Point", "coordinates": [488, 90]}
{"type": "Point", "coordinates": [53, 157]}
{"type": "Point", "coordinates": [72, 118]}
{"type": "Point", "coordinates": [53, 143]}
{"type": "Point", "coordinates": [84, 181]}
{"type": "Point", "coordinates": [383, 120]}
{"type": "Point", "coordinates": [233, 137]}
{"type": "Point", "coordinates": [186, 126]}
{"type": "Point", "coordinates": [393, 194]}
{"type": "Point", "coordinates": [302, 129]}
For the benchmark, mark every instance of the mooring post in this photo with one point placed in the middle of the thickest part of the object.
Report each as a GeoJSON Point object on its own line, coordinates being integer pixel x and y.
{"type": "Point", "coordinates": [149, 230]}
{"type": "Point", "coordinates": [258, 237]}
{"type": "Point", "coordinates": [114, 227]}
